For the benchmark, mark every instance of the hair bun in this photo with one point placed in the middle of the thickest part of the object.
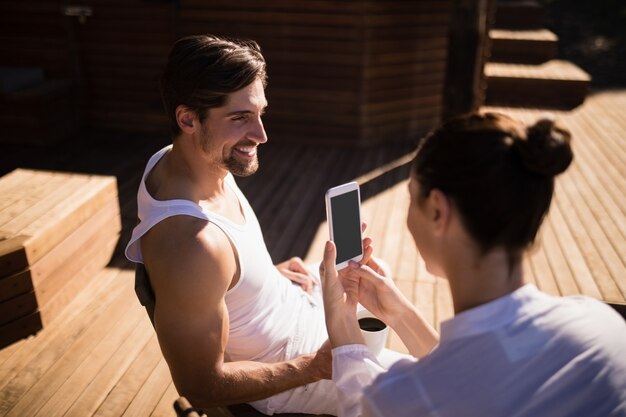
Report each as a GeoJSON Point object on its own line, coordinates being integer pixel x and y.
{"type": "Point", "coordinates": [546, 149]}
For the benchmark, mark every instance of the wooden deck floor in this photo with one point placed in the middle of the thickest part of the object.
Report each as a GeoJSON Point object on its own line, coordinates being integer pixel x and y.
{"type": "Point", "coordinates": [100, 357]}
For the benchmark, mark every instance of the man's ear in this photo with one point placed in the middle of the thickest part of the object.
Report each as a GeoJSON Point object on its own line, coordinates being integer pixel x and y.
{"type": "Point", "coordinates": [186, 119]}
{"type": "Point", "coordinates": [439, 210]}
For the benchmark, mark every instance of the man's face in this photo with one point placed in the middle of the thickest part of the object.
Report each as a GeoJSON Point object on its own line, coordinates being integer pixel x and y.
{"type": "Point", "coordinates": [231, 134]}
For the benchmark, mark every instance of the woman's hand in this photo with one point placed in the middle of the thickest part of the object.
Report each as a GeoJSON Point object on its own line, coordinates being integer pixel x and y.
{"type": "Point", "coordinates": [339, 302]}
{"type": "Point", "coordinates": [295, 270]}
{"type": "Point", "coordinates": [377, 292]}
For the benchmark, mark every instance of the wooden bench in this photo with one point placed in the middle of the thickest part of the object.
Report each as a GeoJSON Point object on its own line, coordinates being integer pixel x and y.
{"type": "Point", "coordinates": [56, 230]}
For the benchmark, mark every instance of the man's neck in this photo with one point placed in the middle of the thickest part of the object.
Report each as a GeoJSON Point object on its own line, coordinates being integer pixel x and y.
{"type": "Point", "coordinates": [187, 172]}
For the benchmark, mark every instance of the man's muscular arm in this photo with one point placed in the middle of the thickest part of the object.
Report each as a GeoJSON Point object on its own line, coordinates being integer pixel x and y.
{"type": "Point", "coordinates": [191, 265]}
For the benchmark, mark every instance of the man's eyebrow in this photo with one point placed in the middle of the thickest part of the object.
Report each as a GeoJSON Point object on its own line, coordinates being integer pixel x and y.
{"type": "Point", "coordinates": [237, 112]}
{"type": "Point", "coordinates": [242, 112]}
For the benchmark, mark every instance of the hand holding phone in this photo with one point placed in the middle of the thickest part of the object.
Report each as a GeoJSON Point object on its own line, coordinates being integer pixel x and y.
{"type": "Point", "coordinates": [343, 211]}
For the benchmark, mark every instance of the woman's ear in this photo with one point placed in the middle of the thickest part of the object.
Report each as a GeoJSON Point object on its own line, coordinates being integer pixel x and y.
{"type": "Point", "coordinates": [439, 210]}
{"type": "Point", "coordinates": [186, 119]}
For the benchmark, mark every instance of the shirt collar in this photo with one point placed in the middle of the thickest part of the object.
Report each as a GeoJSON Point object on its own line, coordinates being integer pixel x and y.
{"type": "Point", "coordinates": [491, 315]}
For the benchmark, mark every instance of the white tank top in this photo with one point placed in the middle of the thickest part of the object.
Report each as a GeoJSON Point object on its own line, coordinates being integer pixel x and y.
{"type": "Point", "coordinates": [263, 326]}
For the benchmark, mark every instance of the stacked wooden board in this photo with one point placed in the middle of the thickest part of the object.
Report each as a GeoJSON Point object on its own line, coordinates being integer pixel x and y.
{"type": "Point", "coordinates": [56, 230]}
{"type": "Point", "coordinates": [113, 60]}
{"type": "Point", "coordinates": [523, 71]}
{"type": "Point", "coordinates": [352, 72]}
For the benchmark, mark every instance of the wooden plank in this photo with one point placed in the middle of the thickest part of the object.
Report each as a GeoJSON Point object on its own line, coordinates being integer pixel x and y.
{"type": "Point", "coordinates": [319, 6]}
{"type": "Point", "coordinates": [13, 180]}
{"type": "Point", "coordinates": [300, 205]}
{"type": "Point", "coordinates": [120, 397]}
{"type": "Point", "coordinates": [68, 256]}
{"type": "Point", "coordinates": [18, 329]}
{"type": "Point", "coordinates": [103, 226]}
{"type": "Point", "coordinates": [66, 204]}
{"type": "Point", "coordinates": [574, 255]}
{"type": "Point", "coordinates": [7, 352]}
{"type": "Point", "coordinates": [437, 60]}
{"type": "Point", "coordinates": [49, 230]}
{"type": "Point", "coordinates": [560, 269]}
{"type": "Point", "coordinates": [17, 307]}
{"type": "Point", "coordinates": [608, 146]}
{"type": "Point", "coordinates": [101, 384]}
{"type": "Point", "coordinates": [55, 289]}
{"type": "Point", "coordinates": [544, 276]}
{"type": "Point", "coordinates": [594, 232]}
{"type": "Point", "coordinates": [396, 226]}
{"type": "Point", "coordinates": [42, 353]}
{"type": "Point", "coordinates": [318, 19]}
{"type": "Point", "coordinates": [36, 354]}
{"type": "Point", "coordinates": [151, 391]}
{"type": "Point", "coordinates": [131, 329]}
{"type": "Point", "coordinates": [39, 392]}
{"type": "Point", "coordinates": [16, 284]}
{"type": "Point", "coordinates": [50, 309]}
{"type": "Point", "coordinates": [24, 190]}
{"type": "Point", "coordinates": [553, 70]}
{"type": "Point", "coordinates": [57, 189]}
{"type": "Point", "coordinates": [592, 257]}
{"type": "Point", "coordinates": [602, 179]}
{"type": "Point", "coordinates": [164, 406]}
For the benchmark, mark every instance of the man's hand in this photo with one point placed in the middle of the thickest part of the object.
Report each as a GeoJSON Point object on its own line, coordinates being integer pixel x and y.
{"type": "Point", "coordinates": [295, 270]}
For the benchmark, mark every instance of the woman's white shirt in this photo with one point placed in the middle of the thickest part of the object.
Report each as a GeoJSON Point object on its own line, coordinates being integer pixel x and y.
{"type": "Point", "coordinates": [524, 354]}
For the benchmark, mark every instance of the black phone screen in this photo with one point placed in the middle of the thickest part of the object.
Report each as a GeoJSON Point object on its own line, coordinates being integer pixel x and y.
{"type": "Point", "coordinates": [346, 225]}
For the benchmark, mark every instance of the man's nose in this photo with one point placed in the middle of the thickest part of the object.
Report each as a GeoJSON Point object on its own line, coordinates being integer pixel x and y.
{"type": "Point", "coordinates": [257, 133]}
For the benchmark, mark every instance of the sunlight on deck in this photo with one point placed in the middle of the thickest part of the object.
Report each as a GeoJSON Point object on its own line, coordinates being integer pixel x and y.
{"type": "Point", "coordinates": [100, 356]}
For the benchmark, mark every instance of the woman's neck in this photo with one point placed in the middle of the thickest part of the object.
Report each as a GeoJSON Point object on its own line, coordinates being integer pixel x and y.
{"type": "Point", "coordinates": [477, 278]}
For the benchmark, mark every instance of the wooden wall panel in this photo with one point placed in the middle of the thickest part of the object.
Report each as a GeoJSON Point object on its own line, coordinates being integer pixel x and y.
{"type": "Point", "coordinates": [33, 33]}
{"type": "Point", "coordinates": [349, 72]}
{"type": "Point", "coordinates": [353, 72]}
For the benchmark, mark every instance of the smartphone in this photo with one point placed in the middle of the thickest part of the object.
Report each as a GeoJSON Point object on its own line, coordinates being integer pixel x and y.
{"type": "Point", "coordinates": [343, 211]}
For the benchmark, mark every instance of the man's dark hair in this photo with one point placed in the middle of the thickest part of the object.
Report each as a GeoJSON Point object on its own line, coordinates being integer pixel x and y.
{"type": "Point", "coordinates": [202, 70]}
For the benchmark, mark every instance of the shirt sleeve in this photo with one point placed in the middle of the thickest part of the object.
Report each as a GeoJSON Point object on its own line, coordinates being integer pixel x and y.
{"type": "Point", "coordinates": [354, 368]}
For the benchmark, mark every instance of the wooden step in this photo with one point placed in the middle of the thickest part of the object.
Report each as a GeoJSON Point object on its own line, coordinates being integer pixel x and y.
{"type": "Point", "coordinates": [56, 230]}
{"type": "Point", "coordinates": [522, 46]}
{"type": "Point", "coordinates": [523, 14]}
{"type": "Point", "coordinates": [555, 84]}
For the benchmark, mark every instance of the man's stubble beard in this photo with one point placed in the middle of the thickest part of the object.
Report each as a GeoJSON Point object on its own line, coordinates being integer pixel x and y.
{"type": "Point", "coordinates": [240, 169]}
{"type": "Point", "coordinates": [231, 163]}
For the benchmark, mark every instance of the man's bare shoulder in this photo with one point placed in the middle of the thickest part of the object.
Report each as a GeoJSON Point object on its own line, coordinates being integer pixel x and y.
{"type": "Point", "coordinates": [190, 251]}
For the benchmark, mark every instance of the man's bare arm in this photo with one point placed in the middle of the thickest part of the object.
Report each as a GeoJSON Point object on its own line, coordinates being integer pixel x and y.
{"type": "Point", "coordinates": [192, 265]}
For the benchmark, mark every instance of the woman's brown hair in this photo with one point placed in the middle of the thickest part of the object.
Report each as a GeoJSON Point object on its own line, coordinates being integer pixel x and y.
{"type": "Point", "coordinates": [498, 173]}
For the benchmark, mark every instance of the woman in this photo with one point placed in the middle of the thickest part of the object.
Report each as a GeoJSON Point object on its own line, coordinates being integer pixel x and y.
{"type": "Point", "coordinates": [479, 188]}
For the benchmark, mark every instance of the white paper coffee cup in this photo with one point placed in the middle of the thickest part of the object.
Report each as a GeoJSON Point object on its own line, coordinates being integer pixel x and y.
{"type": "Point", "coordinates": [375, 332]}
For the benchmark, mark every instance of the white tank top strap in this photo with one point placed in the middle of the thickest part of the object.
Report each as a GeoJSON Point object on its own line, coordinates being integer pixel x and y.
{"type": "Point", "coordinates": [150, 211]}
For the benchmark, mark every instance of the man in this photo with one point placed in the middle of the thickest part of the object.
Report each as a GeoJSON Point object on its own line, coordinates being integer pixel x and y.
{"type": "Point", "coordinates": [232, 326]}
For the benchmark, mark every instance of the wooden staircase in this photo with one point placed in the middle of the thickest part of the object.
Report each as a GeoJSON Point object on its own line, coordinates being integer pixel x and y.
{"type": "Point", "coordinates": [522, 69]}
